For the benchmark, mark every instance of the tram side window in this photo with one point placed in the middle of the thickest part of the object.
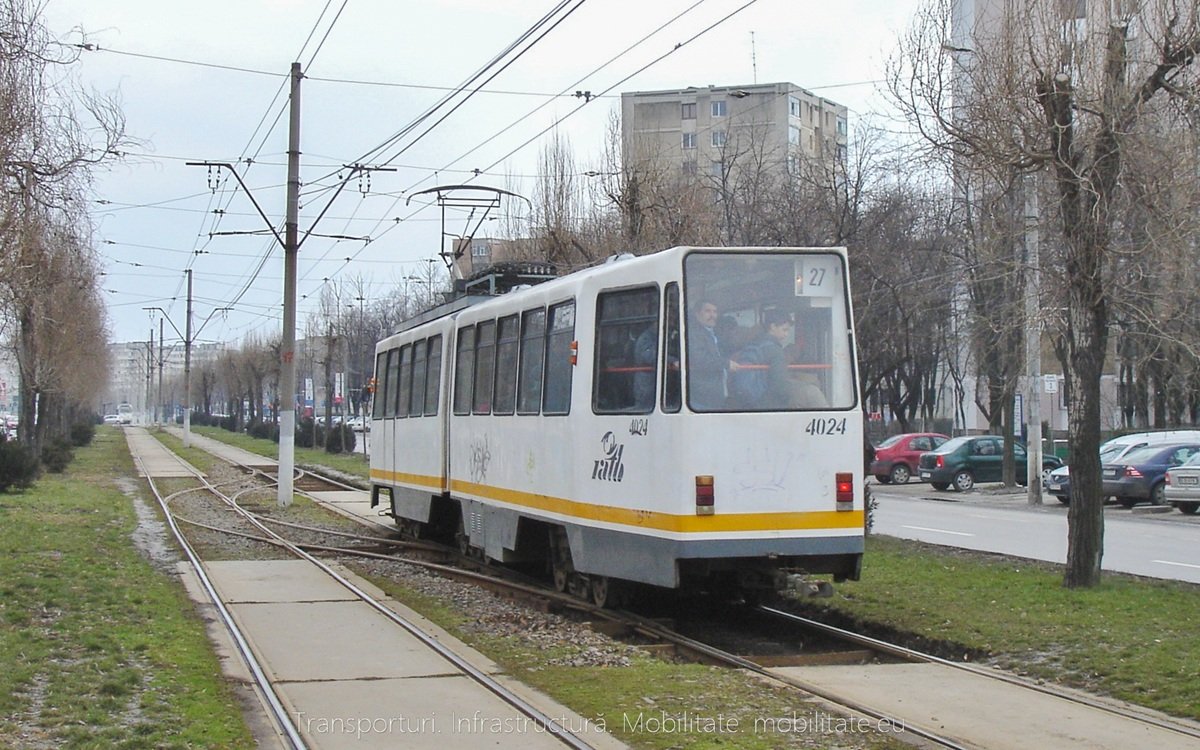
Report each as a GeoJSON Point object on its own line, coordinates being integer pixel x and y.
{"type": "Point", "coordinates": [416, 404]}
{"type": "Point", "coordinates": [379, 405]}
{"type": "Point", "coordinates": [626, 351]}
{"type": "Point", "coordinates": [532, 358]}
{"type": "Point", "coordinates": [485, 366]}
{"type": "Point", "coordinates": [556, 396]}
{"type": "Point", "coordinates": [464, 370]}
{"type": "Point", "coordinates": [433, 381]}
{"type": "Point", "coordinates": [506, 366]}
{"type": "Point", "coordinates": [672, 376]}
{"type": "Point", "coordinates": [404, 387]}
{"type": "Point", "coordinates": [393, 377]}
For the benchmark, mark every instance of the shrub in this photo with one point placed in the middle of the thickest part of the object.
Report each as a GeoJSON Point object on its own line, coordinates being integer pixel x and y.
{"type": "Point", "coordinates": [228, 423]}
{"type": "Point", "coordinates": [82, 433]}
{"type": "Point", "coordinates": [18, 467]}
{"type": "Point", "coordinates": [263, 430]}
{"type": "Point", "coordinates": [57, 455]}
{"type": "Point", "coordinates": [340, 440]}
{"type": "Point", "coordinates": [304, 434]}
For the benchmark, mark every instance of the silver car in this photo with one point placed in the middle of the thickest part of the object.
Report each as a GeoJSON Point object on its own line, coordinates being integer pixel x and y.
{"type": "Point", "coordinates": [1183, 486]}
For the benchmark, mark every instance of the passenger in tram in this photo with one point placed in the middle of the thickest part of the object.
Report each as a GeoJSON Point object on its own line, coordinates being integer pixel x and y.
{"type": "Point", "coordinates": [707, 363]}
{"type": "Point", "coordinates": [645, 354]}
{"type": "Point", "coordinates": [762, 378]}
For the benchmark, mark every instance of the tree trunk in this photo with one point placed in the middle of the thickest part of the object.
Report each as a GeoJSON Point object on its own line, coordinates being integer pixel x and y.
{"type": "Point", "coordinates": [1085, 517]}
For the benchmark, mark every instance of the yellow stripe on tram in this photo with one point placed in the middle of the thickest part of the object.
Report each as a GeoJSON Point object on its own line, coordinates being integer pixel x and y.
{"type": "Point", "coordinates": [645, 519]}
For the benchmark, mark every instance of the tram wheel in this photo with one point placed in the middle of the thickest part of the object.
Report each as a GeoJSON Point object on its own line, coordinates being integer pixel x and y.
{"type": "Point", "coordinates": [607, 592]}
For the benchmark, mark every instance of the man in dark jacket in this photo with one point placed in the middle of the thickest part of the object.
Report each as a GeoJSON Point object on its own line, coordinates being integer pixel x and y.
{"type": "Point", "coordinates": [707, 364]}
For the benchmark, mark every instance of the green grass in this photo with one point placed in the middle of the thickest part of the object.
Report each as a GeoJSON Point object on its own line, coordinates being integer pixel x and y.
{"type": "Point", "coordinates": [97, 647]}
{"type": "Point", "coordinates": [1131, 638]}
{"type": "Point", "coordinates": [354, 464]}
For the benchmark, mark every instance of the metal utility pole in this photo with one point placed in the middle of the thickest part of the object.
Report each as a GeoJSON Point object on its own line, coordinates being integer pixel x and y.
{"type": "Point", "coordinates": [291, 242]}
{"type": "Point", "coordinates": [159, 404]}
{"type": "Point", "coordinates": [149, 372]}
{"type": "Point", "coordinates": [1033, 346]}
{"type": "Point", "coordinates": [187, 367]}
{"type": "Point", "coordinates": [291, 247]}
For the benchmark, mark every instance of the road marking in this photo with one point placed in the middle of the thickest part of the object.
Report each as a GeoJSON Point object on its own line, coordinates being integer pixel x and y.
{"type": "Point", "coordinates": [1181, 565]}
{"type": "Point", "coordinates": [936, 531]}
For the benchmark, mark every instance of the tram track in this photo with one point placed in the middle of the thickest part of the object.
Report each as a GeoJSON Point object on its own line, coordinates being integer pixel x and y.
{"type": "Point", "coordinates": [263, 683]}
{"type": "Point", "coordinates": [656, 636]}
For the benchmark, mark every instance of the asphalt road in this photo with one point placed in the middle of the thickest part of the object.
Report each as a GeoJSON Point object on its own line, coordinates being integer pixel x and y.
{"type": "Point", "coordinates": [991, 519]}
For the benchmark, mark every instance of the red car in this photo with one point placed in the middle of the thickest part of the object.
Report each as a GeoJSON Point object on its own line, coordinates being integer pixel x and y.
{"type": "Point", "coordinates": [896, 458]}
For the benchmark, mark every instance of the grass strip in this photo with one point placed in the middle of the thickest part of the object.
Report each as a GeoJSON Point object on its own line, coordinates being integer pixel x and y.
{"type": "Point", "coordinates": [98, 648]}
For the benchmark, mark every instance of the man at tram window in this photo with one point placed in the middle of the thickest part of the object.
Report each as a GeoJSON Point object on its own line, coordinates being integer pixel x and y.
{"type": "Point", "coordinates": [707, 364]}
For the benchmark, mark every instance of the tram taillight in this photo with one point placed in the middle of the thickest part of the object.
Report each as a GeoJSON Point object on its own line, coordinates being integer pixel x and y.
{"type": "Point", "coordinates": [704, 495]}
{"type": "Point", "coordinates": [845, 491]}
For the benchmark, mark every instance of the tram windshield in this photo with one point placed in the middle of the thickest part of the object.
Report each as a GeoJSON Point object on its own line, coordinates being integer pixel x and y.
{"type": "Point", "coordinates": [767, 332]}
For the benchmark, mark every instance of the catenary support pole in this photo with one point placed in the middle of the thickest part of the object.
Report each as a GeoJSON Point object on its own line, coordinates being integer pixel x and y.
{"type": "Point", "coordinates": [187, 367]}
{"type": "Point", "coordinates": [287, 384]}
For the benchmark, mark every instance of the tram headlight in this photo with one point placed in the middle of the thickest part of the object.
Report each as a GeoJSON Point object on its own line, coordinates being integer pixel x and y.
{"type": "Point", "coordinates": [845, 491]}
{"type": "Point", "coordinates": [704, 495]}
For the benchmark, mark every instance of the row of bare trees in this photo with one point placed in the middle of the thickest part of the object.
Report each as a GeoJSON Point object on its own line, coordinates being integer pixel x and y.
{"type": "Point", "coordinates": [53, 133]}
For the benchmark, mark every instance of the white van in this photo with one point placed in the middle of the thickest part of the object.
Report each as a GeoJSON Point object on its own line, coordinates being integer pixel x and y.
{"type": "Point", "coordinates": [1058, 482]}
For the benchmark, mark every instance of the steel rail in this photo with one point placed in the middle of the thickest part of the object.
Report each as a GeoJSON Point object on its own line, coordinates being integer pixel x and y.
{"type": "Point", "coordinates": [279, 713]}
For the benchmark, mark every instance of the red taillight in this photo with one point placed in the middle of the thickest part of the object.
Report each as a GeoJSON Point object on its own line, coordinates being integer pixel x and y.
{"type": "Point", "coordinates": [1132, 472]}
{"type": "Point", "coordinates": [1167, 478]}
{"type": "Point", "coordinates": [940, 462]}
{"type": "Point", "coordinates": [845, 491]}
{"type": "Point", "coordinates": [704, 495]}
{"type": "Point", "coordinates": [574, 357]}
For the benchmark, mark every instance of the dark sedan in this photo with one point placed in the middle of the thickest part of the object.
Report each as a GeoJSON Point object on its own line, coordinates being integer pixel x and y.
{"type": "Point", "coordinates": [963, 461]}
{"type": "Point", "coordinates": [1140, 475]}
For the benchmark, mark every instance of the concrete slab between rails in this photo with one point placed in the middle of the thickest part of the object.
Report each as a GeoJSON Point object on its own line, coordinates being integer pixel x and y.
{"type": "Point", "coordinates": [982, 712]}
{"type": "Point", "coordinates": [352, 678]}
{"type": "Point", "coordinates": [226, 451]}
{"type": "Point", "coordinates": [155, 460]}
{"type": "Point", "coordinates": [355, 504]}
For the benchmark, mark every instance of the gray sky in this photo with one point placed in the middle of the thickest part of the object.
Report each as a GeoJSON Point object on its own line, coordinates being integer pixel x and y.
{"type": "Point", "coordinates": [364, 84]}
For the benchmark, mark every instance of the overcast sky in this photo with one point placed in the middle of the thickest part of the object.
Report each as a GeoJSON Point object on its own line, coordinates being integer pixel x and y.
{"type": "Point", "coordinates": [204, 82]}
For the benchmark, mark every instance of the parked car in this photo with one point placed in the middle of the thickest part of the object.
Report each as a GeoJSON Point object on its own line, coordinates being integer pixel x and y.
{"type": "Point", "coordinates": [112, 419]}
{"type": "Point", "coordinates": [1058, 483]}
{"type": "Point", "coordinates": [1141, 474]}
{"type": "Point", "coordinates": [896, 458]}
{"type": "Point", "coordinates": [964, 461]}
{"type": "Point", "coordinates": [1181, 486]}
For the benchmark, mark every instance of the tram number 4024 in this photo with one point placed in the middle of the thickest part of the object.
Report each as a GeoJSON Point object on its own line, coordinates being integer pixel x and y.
{"type": "Point", "coordinates": [827, 426]}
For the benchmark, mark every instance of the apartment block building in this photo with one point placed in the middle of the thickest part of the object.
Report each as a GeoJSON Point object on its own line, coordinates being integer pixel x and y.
{"type": "Point", "coordinates": [700, 131]}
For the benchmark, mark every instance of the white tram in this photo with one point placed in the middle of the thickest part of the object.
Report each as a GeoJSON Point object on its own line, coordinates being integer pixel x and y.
{"type": "Point", "coordinates": [574, 422]}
